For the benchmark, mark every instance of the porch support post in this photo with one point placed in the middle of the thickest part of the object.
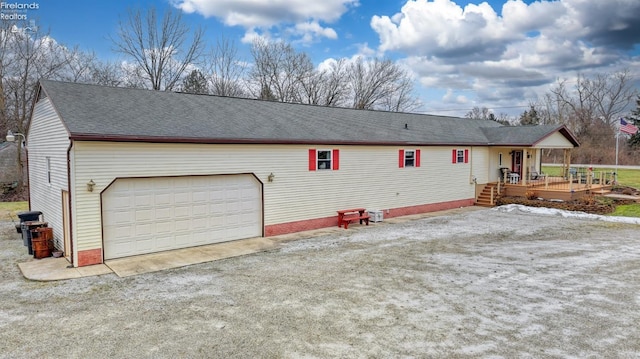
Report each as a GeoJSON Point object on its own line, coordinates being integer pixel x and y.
{"type": "Point", "coordinates": [525, 166]}
{"type": "Point", "coordinates": [566, 163]}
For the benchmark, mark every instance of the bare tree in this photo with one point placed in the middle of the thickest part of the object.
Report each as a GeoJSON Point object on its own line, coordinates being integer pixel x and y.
{"type": "Point", "coordinates": [478, 113]}
{"type": "Point", "coordinates": [601, 98]}
{"type": "Point", "coordinates": [78, 65]}
{"type": "Point", "coordinates": [335, 85]}
{"type": "Point", "coordinates": [159, 50]}
{"type": "Point", "coordinates": [106, 74]}
{"type": "Point", "coordinates": [225, 70]}
{"type": "Point", "coordinates": [5, 43]}
{"type": "Point", "coordinates": [279, 71]}
{"type": "Point", "coordinates": [374, 83]}
{"type": "Point", "coordinates": [26, 58]}
{"type": "Point", "coordinates": [326, 87]}
{"type": "Point", "coordinates": [403, 99]}
{"type": "Point", "coordinates": [591, 109]}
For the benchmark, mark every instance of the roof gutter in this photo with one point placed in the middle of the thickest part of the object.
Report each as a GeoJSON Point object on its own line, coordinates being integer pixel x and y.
{"type": "Point", "coordinates": [255, 141]}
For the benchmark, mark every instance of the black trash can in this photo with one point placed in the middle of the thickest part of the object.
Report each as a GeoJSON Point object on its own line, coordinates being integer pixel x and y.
{"type": "Point", "coordinates": [27, 216]}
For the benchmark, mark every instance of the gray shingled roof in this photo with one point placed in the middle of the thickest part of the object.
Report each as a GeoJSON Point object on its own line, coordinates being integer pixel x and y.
{"type": "Point", "coordinates": [524, 135]}
{"type": "Point", "coordinates": [95, 112]}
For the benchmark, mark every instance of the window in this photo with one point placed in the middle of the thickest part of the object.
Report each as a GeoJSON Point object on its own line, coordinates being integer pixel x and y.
{"type": "Point", "coordinates": [324, 159]}
{"type": "Point", "coordinates": [48, 170]}
{"type": "Point", "coordinates": [408, 158]}
{"type": "Point", "coordinates": [500, 159]}
{"type": "Point", "coordinates": [460, 156]}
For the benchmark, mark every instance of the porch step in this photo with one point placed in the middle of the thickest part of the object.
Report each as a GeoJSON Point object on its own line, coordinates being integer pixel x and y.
{"type": "Point", "coordinates": [484, 198]}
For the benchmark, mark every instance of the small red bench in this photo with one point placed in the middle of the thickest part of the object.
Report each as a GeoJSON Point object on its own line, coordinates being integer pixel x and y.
{"type": "Point", "coordinates": [346, 216]}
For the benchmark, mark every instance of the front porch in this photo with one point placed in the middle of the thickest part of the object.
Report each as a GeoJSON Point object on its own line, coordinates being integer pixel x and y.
{"type": "Point", "coordinates": [574, 187]}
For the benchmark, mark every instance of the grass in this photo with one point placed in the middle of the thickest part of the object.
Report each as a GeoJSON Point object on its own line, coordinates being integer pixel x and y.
{"type": "Point", "coordinates": [627, 210]}
{"type": "Point", "coordinates": [9, 210]}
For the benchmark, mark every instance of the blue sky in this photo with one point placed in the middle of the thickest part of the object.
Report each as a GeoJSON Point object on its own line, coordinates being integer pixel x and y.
{"type": "Point", "coordinates": [496, 54]}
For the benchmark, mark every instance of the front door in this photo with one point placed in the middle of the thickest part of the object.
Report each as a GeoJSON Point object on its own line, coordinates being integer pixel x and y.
{"type": "Point", "coordinates": [516, 162]}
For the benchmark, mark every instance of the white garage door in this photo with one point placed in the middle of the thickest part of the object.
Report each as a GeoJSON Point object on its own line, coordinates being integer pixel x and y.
{"type": "Point", "coordinates": [145, 215]}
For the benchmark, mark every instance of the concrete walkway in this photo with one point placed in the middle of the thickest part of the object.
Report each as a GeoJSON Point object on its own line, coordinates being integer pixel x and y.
{"type": "Point", "coordinates": [51, 269]}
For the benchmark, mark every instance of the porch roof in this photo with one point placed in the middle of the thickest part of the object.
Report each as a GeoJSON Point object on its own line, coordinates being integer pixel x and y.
{"type": "Point", "coordinates": [525, 136]}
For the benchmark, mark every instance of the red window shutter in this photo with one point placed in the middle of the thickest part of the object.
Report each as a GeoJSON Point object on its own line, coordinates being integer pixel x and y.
{"type": "Point", "coordinates": [335, 159]}
{"type": "Point", "coordinates": [466, 156]}
{"type": "Point", "coordinates": [454, 156]}
{"type": "Point", "coordinates": [417, 158]}
{"type": "Point", "coordinates": [401, 158]}
{"type": "Point", "coordinates": [312, 160]}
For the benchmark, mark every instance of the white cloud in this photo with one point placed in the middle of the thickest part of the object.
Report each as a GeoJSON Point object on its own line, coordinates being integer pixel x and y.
{"type": "Point", "coordinates": [442, 28]}
{"type": "Point", "coordinates": [308, 31]}
{"type": "Point", "coordinates": [510, 55]}
{"type": "Point", "coordinates": [298, 17]}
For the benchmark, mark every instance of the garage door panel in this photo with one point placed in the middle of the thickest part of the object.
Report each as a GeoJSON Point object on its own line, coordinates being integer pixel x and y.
{"type": "Point", "coordinates": [121, 231]}
{"type": "Point", "coordinates": [164, 242]}
{"type": "Point", "coordinates": [163, 199]}
{"type": "Point", "coordinates": [121, 201]}
{"type": "Point", "coordinates": [165, 227]}
{"type": "Point", "coordinates": [201, 237]}
{"type": "Point", "coordinates": [164, 213]}
{"type": "Point", "coordinates": [145, 244]}
{"type": "Point", "coordinates": [144, 214]}
{"type": "Point", "coordinates": [144, 199]}
{"type": "Point", "coordinates": [200, 196]}
{"type": "Point", "coordinates": [182, 225]}
{"type": "Point", "coordinates": [182, 198]}
{"type": "Point", "coordinates": [144, 229]}
{"type": "Point", "coordinates": [118, 218]}
{"type": "Point", "coordinates": [183, 240]}
{"type": "Point", "coordinates": [200, 210]}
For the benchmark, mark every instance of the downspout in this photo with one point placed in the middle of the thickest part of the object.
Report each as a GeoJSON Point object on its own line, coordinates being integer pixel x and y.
{"type": "Point", "coordinates": [471, 164]}
{"type": "Point", "coordinates": [472, 179]}
{"type": "Point", "coordinates": [26, 153]}
{"type": "Point", "coordinates": [71, 252]}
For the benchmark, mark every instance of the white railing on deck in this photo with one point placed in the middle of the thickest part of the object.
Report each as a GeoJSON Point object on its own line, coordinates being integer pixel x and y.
{"type": "Point", "coordinates": [576, 179]}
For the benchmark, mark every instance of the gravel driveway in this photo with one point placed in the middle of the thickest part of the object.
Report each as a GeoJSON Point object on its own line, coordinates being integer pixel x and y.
{"type": "Point", "coordinates": [476, 284]}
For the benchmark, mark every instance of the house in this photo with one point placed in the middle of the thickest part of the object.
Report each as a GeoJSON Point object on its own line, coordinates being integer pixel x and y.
{"type": "Point", "coordinates": [120, 172]}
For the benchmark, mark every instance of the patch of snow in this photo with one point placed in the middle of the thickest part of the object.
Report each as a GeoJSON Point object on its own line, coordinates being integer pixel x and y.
{"type": "Point", "coordinates": [564, 213]}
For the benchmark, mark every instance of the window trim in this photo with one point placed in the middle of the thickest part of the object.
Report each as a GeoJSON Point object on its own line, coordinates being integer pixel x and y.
{"type": "Point", "coordinates": [328, 160]}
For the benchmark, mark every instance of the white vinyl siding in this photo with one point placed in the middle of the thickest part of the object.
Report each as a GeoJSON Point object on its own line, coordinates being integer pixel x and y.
{"type": "Point", "coordinates": [47, 144]}
{"type": "Point", "coordinates": [479, 159]}
{"type": "Point", "coordinates": [368, 177]}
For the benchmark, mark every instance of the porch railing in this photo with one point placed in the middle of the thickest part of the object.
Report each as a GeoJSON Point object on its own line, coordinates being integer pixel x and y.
{"type": "Point", "coordinates": [575, 180]}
